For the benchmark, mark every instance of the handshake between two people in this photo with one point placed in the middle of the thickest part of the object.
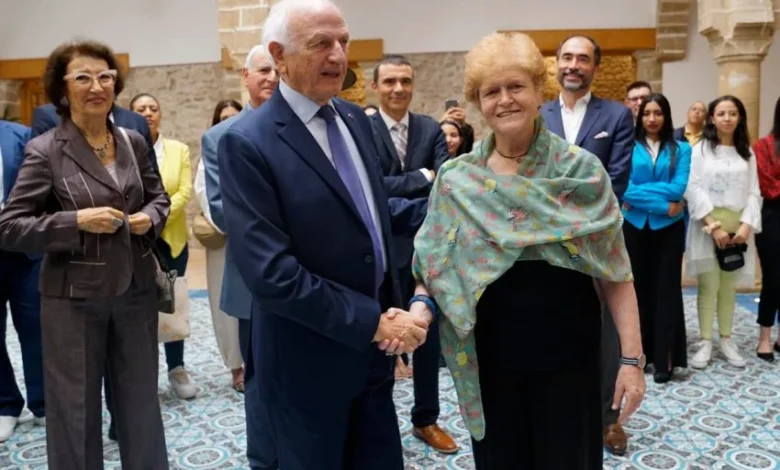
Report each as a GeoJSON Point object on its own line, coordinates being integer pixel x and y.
{"type": "Point", "coordinates": [402, 332]}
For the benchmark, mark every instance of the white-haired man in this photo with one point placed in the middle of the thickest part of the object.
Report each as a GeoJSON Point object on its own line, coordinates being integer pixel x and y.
{"type": "Point", "coordinates": [314, 246]}
{"type": "Point", "coordinates": [234, 302]}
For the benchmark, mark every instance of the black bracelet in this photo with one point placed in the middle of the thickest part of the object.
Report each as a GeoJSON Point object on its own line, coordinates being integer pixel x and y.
{"type": "Point", "coordinates": [428, 303]}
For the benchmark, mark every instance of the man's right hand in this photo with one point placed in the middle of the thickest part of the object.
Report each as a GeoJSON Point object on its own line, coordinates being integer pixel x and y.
{"type": "Point", "coordinates": [400, 332]}
{"type": "Point", "coordinates": [100, 219]}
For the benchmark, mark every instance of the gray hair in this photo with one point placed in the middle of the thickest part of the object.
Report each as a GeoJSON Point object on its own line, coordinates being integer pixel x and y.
{"type": "Point", "coordinates": [277, 25]}
{"type": "Point", "coordinates": [259, 51]}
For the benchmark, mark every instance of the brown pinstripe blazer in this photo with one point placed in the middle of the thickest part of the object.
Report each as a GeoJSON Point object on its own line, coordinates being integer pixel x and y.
{"type": "Point", "coordinates": [60, 175]}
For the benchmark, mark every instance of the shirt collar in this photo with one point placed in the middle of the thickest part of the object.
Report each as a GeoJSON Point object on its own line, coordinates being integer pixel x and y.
{"type": "Point", "coordinates": [390, 122]}
{"type": "Point", "coordinates": [580, 102]}
{"type": "Point", "coordinates": [302, 106]}
{"type": "Point", "coordinates": [158, 145]}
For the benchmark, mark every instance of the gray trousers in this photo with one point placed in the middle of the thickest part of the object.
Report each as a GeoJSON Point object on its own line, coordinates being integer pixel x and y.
{"type": "Point", "coordinates": [610, 365]}
{"type": "Point", "coordinates": [82, 338]}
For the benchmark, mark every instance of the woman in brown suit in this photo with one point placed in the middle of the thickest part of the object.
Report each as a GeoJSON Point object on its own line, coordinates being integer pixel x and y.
{"type": "Point", "coordinates": [87, 196]}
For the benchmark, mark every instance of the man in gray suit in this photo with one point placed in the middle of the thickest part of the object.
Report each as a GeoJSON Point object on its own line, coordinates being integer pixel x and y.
{"type": "Point", "coordinates": [260, 77]}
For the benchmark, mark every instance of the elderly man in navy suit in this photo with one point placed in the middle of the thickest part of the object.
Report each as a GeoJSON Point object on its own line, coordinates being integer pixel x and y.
{"type": "Point", "coordinates": [606, 129]}
{"type": "Point", "coordinates": [44, 118]}
{"type": "Point", "coordinates": [306, 195]}
{"type": "Point", "coordinates": [19, 288]}
{"type": "Point", "coordinates": [260, 78]}
{"type": "Point", "coordinates": [411, 149]}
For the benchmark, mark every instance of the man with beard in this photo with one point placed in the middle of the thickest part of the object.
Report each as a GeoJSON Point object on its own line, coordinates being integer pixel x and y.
{"type": "Point", "coordinates": [606, 129]}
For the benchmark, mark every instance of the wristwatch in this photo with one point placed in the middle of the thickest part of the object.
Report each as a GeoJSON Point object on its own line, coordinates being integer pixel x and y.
{"type": "Point", "coordinates": [640, 361]}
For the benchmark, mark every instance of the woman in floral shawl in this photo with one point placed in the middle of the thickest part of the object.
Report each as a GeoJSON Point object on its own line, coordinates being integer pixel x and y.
{"type": "Point", "coordinates": [517, 231]}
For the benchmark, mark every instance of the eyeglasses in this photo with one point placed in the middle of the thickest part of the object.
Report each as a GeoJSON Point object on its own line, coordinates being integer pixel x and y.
{"type": "Point", "coordinates": [105, 78]}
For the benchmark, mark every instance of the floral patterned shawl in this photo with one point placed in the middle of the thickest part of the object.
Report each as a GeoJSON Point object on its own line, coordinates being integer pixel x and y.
{"type": "Point", "coordinates": [559, 207]}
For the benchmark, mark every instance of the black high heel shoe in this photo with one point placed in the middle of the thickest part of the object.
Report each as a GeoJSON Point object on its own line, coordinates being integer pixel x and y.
{"type": "Point", "coordinates": [663, 377]}
{"type": "Point", "coordinates": [768, 357]}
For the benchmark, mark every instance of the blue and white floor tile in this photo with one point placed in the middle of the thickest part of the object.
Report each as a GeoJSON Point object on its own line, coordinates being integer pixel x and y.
{"type": "Point", "coordinates": [723, 418]}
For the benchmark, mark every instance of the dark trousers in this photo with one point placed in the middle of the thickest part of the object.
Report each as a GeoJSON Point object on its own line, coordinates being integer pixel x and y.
{"type": "Point", "coordinates": [357, 434]}
{"type": "Point", "coordinates": [80, 338]}
{"type": "Point", "coordinates": [768, 246]}
{"type": "Point", "coordinates": [19, 287]}
{"type": "Point", "coordinates": [260, 445]}
{"type": "Point", "coordinates": [541, 420]}
{"type": "Point", "coordinates": [174, 350]}
{"type": "Point", "coordinates": [656, 260]}
{"type": "Point", "coordinates": [610, 365]}
{"type": "Point", "coordinates": [426, 365]}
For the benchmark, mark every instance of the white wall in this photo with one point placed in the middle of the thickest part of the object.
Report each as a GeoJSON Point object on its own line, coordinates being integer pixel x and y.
{"type": "Point", "coordinates": [152, 32]}
{"type": "Point", "coordinates": [696, 78]}
{"type": "Point", "coordinates": [416, 26]}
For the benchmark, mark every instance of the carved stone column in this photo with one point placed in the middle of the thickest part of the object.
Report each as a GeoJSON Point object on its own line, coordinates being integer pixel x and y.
{"type": "Point", "coordinates": [740, 33]}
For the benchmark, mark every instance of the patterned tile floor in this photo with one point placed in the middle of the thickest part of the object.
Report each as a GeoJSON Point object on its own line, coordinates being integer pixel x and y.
{"type": "Point", "coordinates": [723, 418]}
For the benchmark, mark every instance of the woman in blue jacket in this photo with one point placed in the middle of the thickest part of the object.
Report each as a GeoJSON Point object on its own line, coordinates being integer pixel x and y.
{"type": "Point", "coordinates": [655, 234]}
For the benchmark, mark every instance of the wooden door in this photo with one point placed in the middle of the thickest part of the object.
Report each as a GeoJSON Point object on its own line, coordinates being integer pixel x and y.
{"type": "Point", "coordinates": [31, 96]}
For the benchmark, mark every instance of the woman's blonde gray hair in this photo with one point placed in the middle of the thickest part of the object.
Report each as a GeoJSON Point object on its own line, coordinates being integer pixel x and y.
{"type": "Point", "coordinates": [500, 52]}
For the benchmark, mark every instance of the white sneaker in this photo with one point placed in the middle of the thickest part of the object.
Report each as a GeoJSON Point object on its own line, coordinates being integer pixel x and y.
{"type": "Point", "coordinates": [180, 381]}
{"type": "Point", "coordinates": [7, 426]}
{"type": "Point", "coordinates": [729, 349]}
{"type": "Point", "coordinates": [703, 355]}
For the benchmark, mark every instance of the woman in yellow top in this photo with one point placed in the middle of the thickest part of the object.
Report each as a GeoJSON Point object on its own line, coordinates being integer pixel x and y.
{"type": "Point", "coordinates": [173, 159]}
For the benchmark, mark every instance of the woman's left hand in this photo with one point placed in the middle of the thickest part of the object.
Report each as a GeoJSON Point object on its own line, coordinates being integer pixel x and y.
{"type": "Point", "coordinates": [742, 235]}
{"type": "Point", "coordinates": [140, 223]}
{"type": "Point", "coordinates": [630, 386]}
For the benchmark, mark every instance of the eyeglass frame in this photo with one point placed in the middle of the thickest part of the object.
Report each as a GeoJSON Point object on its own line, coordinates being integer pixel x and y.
{"type": "Point", "coordinates": [112, 72]}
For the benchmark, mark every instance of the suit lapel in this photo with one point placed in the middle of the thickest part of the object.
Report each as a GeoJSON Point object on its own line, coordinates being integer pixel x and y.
{"type": "Point", "coordinates": [78, 150]}
{"type": "Point", "coordinates": [384, 134]}
{"type": "Point", "coordinates": [413, 136]}
{"type": "Point", "coordinates": [592, 114]}
{"type": "Point", "coordinates": [554, 119]}
{"type": "Point", "coordinates": [294, 132]}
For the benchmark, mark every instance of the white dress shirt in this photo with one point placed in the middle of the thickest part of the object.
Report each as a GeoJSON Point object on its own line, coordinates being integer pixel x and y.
{"type": "Point", "coordinates": [306, 110]}
{"type": "Point", "coordinates": [653, 148]}
{"type": "Point", "coordinates": [572, 118]}
{"type": "Point", "coordinates": [199, 186]}
{"type": "Point", "coordinates": [159, 150]}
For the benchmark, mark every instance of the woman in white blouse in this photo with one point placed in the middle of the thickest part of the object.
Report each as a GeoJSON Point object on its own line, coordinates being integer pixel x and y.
{"type": "Point", "coordinates": [724, 201]}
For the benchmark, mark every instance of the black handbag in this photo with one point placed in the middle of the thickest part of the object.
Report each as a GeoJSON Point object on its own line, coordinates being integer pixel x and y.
{"type": "Point", "coordinates": [164, 278]}
{"type": "Point", "coordinates": [732, 257]}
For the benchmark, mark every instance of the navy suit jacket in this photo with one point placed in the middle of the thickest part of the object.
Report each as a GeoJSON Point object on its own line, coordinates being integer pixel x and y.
{"type": "Point", "coordinates": [305, 253]}
{"type": "Point", "coordinates": [614, 122]}
{"type": "Point", "coordinates": [235, 300]}
{"type": "Point", "coordinates": [13, 139]}
{"type": "Point", "coordinates": [426, 148]}
{"type": "Point", "coordinates": [45, 117]}
{"type": "Point", "coordinates": [679, 134]}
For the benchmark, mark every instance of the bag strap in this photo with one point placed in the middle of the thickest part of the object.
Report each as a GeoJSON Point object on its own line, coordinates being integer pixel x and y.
{"type": "Point", "coordinates": [155, 250]}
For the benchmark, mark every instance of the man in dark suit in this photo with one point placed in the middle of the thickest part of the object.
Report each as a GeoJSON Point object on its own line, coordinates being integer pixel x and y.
{"type": "Point", "coordinates": [19, 287]}
{"type": "Point", "coordinates": [411, 149]}
{"type": "Point", "coordinates": [606, 129]}
{"type": "Point", "coordinates": [305, 193]}
{"type": "Point", "coordinates": [45, 117]}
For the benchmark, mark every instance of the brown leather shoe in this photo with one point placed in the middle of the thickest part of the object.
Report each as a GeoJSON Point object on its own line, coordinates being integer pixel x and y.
{"type": "Point", "coordinates": [615, 439]}
{"type": "Point", "coordinates": [435, 437]}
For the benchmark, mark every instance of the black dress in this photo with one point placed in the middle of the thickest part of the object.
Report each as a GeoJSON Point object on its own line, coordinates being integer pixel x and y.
{"type": "Point", "coordinates": [537, 339]}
